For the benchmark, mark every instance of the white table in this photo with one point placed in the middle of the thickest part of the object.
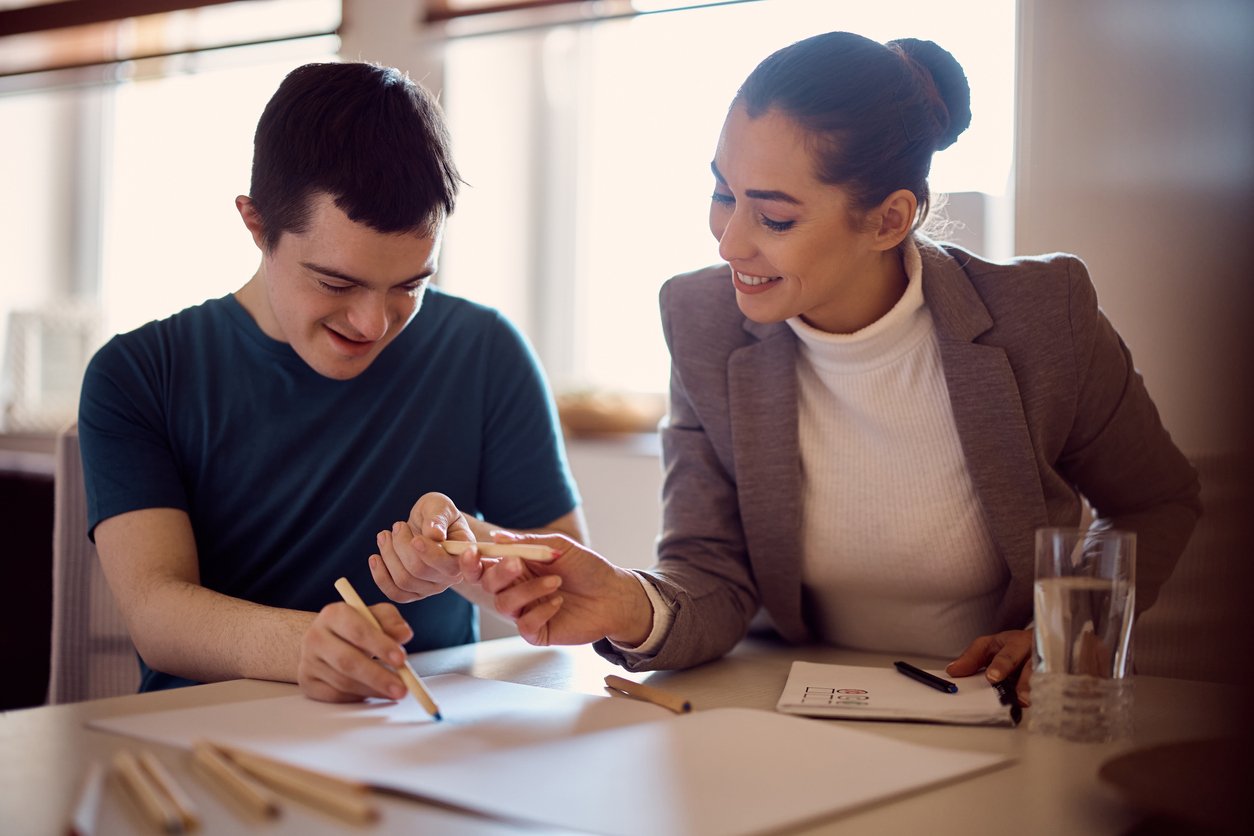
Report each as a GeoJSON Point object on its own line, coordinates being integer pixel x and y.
{"type": "Point", "coordinates": [1051, 788]}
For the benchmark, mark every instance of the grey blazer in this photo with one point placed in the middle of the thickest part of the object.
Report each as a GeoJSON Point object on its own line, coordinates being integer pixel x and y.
{"type": "Point", "coordinates": [1048, 407]}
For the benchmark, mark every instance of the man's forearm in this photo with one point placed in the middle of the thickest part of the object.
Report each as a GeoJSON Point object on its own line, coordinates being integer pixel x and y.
{"type": "Point", "coordinates": [187, 630]}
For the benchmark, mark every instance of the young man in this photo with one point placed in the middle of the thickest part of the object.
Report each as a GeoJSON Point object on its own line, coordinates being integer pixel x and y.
{"type": "Point", "coordinates": [242, 454]}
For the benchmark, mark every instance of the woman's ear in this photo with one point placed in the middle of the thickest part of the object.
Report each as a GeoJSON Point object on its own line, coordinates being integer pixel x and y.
{"type": "Point", "coordinates": [895, 216]}
{"type": "Point", "coordinates": [252, 220]}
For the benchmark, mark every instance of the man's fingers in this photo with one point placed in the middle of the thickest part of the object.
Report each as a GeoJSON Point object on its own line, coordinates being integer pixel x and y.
{"type": "Point", "coordinates": [393, 624]}
{"type": "Point", "coordinates": [383, 579]}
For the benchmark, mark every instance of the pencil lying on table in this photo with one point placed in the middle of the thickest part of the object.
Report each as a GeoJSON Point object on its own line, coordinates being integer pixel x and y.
{"type": "Point", "coordinates": [527, 551]}
{"type": "Point", "coordinates": [233, 781]}
{"type": "Point", "coordinates": [350, 800]}
{"type": "Point", "coordinates": [648, 693]}
{"type": "Point", "coordinates": [171, 813]}
{"type": "Point", "coordinates": [407, 674]}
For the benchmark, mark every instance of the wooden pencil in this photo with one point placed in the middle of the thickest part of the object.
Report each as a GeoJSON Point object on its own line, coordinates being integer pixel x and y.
{"type": "Point", "coordinates": [527, 551]}
{"type": "Point", "coordinates": [407, 674]}
{"type": "Point", "coordinates": [178, 797]}
{"type": "Point", "coordinates": [152, 802]}
{"type": "Point", "coordinates": [648, 693]}
{"type": "Point", "coordinates": [349, 800]}
{"type": "Point", "coordinates": [233, 782]}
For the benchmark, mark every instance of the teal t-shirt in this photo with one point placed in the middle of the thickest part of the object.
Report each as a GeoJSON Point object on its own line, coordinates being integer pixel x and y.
{"type": "Point", "coordinates": [287, 475]}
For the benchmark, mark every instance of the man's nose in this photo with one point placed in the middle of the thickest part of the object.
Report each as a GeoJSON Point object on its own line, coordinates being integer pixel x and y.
{"type": "Point", "coordinates": [369, 315]}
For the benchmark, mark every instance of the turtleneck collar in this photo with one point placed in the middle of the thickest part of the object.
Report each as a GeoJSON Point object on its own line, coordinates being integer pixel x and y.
{"type": "Point", "coordinates": [881, 342]}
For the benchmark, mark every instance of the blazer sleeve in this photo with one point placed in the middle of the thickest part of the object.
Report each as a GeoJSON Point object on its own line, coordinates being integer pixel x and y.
{"type": "Point", "coordinates": [703, 569]}
{"type": "Point", "coordinates": [1118, 454]}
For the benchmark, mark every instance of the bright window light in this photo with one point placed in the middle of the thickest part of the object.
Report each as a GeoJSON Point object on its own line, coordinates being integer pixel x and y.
{"type": "Point", "coordinates": [587, 149]}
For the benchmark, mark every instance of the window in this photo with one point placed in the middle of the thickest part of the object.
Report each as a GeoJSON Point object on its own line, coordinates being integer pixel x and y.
{"type": "Point", "coordinates": [124, 171]}
{"type": "Point", "coordinates": [587, 146]}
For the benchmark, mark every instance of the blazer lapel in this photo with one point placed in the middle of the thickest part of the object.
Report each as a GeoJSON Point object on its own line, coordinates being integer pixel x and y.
{"type": "Point", "coordinates": [762, 399]}
{"type": "Point", "coordinates": [991, 424]}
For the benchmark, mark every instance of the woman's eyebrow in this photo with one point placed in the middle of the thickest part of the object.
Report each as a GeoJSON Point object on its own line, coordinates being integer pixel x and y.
{"type": "Point", "coordinates": [758, 194]}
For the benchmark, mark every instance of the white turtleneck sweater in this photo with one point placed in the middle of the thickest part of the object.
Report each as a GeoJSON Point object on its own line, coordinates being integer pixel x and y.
{"type": "Point", "coordinates": [896, 554]}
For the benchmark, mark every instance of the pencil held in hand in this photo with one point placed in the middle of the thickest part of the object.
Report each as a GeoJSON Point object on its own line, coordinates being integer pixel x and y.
{"type": "Point", "coordinates": [407, 674]}
{"type": "Point", "coordinates": [527, 551]}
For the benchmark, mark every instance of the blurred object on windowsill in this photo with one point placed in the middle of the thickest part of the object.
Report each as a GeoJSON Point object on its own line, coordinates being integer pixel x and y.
{"type": "Point", "coordinates": [45, 354]}
{"type": "Point", "coordinates": [590, 414]}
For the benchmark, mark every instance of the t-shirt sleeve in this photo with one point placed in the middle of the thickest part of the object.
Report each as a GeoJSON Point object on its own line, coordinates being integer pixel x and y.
{"type": "Point", "coordinates": [526, 481]}
{"type": "Point", "coordinates": [128, 464]}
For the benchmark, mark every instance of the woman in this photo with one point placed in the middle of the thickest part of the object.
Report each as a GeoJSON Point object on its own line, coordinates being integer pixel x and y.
{"type": "Point", "coordinates": [865, 427]}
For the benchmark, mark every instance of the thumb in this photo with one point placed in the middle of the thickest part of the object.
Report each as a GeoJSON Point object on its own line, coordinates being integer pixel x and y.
{"type": "Point", "coordinates": [392, 622]}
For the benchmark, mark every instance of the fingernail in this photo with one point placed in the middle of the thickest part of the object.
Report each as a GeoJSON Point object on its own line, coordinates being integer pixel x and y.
{"type": "Point", "coordinates": [396, 527]}
{"type": "Point", "coordinates": [396, 657]}
{"type": "Point", "coordinates": [397, 692]}
{"type": "Point", "coordinates": [551, 581]}
{"type": "Point", "coordinates": [381, 536]}
{"type": "Point", "coordinates": [994, 675]}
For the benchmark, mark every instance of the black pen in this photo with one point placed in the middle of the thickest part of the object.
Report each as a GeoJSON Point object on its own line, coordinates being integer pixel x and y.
{"type": "Point", "coordinates": [926, 678]}
{"type": "Point", "coordinates": [1007, 694]}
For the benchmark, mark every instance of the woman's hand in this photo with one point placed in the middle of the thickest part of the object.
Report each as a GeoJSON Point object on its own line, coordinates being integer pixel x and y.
{"type": "Point", "coordinates": [411, 564]}
{"type": "Point", "coordinates": [339, 653]}
{"type": "Point", "coordinates": [578, 598]}
{"type": "Point", "coordinates": [1001, 655]}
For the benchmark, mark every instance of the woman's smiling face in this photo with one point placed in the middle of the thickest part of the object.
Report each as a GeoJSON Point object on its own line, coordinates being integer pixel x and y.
{"type": "Point", "coordinates": [795, 245]}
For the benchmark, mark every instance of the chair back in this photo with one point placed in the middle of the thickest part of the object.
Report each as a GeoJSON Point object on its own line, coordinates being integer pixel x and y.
{"type": "Point", "coordinates": [92, 653]}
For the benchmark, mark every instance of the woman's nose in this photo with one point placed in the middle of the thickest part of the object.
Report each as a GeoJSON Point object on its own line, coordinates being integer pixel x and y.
{"type": "Point", "coordinates": [733, 243]}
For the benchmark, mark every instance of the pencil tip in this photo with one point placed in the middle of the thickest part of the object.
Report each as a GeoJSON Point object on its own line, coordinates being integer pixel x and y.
{"type": "Point", "coordinates": [438, 716]}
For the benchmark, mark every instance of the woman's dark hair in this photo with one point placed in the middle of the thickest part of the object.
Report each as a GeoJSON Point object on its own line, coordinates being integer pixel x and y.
{"type": "Point", "coordinates": [365, 135]}
{"type": "Point", "coordinates": [875, 112]}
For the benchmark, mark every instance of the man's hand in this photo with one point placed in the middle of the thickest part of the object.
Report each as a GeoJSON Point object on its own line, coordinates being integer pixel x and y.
{"type": "Point", "coordinates": [339, 653]}
{"type": "Point", "coordinates": [1001, 654]}
{"type": "Point", "coordinates": [411, 564]}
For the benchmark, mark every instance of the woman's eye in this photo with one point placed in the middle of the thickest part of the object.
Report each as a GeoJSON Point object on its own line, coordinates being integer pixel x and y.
{"type": "Point", "coordinates": [723, 199]}
{"type": "Point", "coordinates": [335, 288]}
{"type": "Point", "coordinates": [776, 226]}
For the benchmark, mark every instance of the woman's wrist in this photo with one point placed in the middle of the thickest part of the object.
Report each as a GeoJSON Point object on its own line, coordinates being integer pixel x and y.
{"type": "Point", "coordinates": [635, 614]}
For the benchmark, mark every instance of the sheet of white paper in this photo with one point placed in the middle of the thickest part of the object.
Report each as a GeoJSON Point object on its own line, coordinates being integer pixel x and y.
{"type": "Point", "coordinates": [884, 694]}
{"type": "Point", "coordinates": [371, 741]}
{"type": "Point", "coordinates": [718, 772]}
{"type": "Point", "coordinates": [598, 764]}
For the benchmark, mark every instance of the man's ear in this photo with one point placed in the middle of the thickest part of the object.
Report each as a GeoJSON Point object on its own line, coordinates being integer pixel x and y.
{"type": "Point", "coordinates": [895, 216]}
{"type": "Point", "coordinates": [252, 220]}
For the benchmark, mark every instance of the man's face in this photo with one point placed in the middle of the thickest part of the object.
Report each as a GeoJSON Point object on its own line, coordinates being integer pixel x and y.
{"type": "Point", "coordinates": [340, 292]}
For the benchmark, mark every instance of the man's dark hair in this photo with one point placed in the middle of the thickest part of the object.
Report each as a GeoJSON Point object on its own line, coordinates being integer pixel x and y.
{"type": "Point", "coordinates": [367, 136]}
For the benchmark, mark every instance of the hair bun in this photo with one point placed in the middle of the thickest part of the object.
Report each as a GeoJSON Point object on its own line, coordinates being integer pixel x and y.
{"type": "Point", "coordinates": [950, 80]}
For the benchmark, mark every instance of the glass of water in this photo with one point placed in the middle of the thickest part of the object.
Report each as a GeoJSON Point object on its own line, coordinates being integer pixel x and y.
{"type": "Point", "coordinates": [1085, 598]}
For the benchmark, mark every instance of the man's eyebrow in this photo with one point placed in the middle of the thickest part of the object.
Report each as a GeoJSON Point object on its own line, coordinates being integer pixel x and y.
{"type": "Point", "coordinates": [332, 273]}
{"type": "Point", "coordinates": [758, 194]}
